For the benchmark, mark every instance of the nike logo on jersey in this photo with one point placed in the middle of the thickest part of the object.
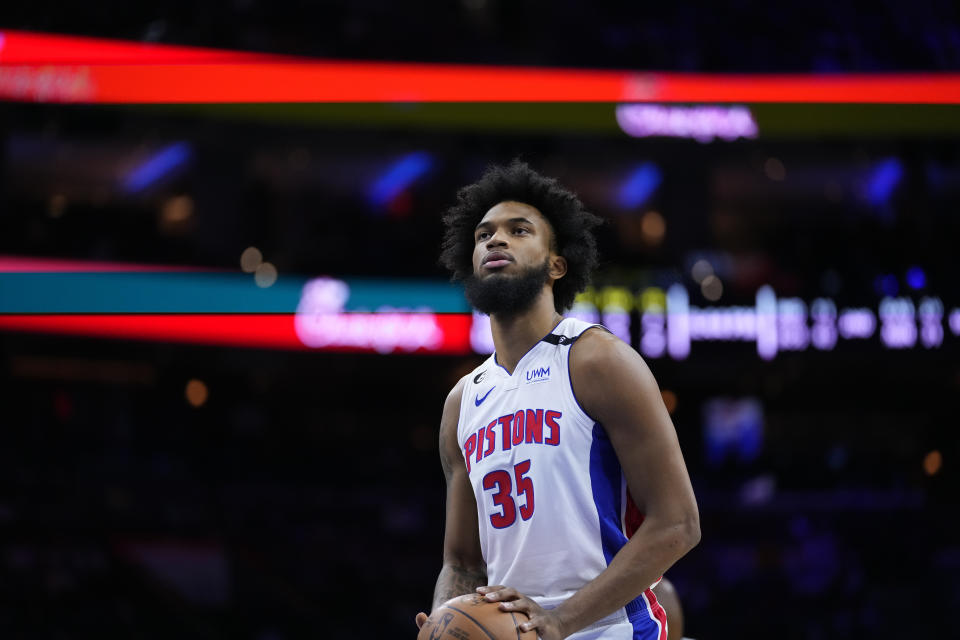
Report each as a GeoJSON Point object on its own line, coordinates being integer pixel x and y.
{"type": "Point", "coordinates": [479, 400]}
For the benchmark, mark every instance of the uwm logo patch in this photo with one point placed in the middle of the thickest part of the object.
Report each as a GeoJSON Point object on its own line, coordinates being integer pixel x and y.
{"type": "Point", "coordinates": [538, 375]}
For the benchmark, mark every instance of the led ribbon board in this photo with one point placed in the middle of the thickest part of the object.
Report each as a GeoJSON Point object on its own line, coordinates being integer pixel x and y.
{"type": "Point", "coordinates": [143, 302]}
{"type": "Point", "coordinates": [48, 68]}
{"type": "Point", "coordinates": [411, 316]}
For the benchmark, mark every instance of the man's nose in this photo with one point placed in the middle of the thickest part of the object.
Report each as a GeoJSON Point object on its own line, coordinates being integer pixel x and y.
{"type": "Point", "coordinates": [497, 239]}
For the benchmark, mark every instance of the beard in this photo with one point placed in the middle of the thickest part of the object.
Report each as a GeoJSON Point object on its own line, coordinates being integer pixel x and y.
{"type": "Point", "coordinates": [504, 294]}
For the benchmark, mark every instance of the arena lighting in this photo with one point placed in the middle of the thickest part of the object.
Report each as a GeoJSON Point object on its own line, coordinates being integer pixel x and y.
{"type": "Point", "coordinates": [930, 315]}
{"type": "Point", "coordinates": [144, 292]}
{"type": "Point", "coordinates": [639, 186]}
{"type": "Point", "coordinates": [157, 166]}
{"type": "Point", "coordinates": [69, 69]}
{"type": "Point", "coordinates": [30, 286]}
{"type": "Point", "coordinates": [25, 264]}
{"type": "Point", "coordinates": [700, 123]}
{"type": "Point", "coordinates": [321, 323]}
{"type": "Point", "coordinates": [265, 331]}
{"type": "Point", "coordinates": [856, 323]}
{"type": "Point", "coordinates": [273, 331]}
{"type": "Point", "coordinates": [397, 316]}
{"type": "Point", "coordinates": [228, 309]}
{"type": "Point", "coordinates": [883, 181]}
{"type": "Point", "coordinates": [783, 324]}
{"type": "Point", "coordinates": [773, 325]}
{"type": "Point", "coordinates": [24, 47]}
{"type": "Point", "coordinates": [916, 278]}
{"type": "Point", "coordinates": [732, 427]}
{"type": "Point", "coordinates": [955, 322]}
{"type": "Point", "coordinates": [398, 177]}
{"type": "Point", "coordinates": [886, 284]}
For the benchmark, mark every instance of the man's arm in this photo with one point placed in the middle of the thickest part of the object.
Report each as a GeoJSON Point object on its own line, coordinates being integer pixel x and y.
{"type": "Point", "coordinates": [463, 567]}
{"type": "Point", "coordinates": [615, 387]}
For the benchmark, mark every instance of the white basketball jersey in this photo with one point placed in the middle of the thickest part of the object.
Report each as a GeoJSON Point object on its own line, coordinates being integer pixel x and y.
{"type": "Point", "coordinates": [551, 497]}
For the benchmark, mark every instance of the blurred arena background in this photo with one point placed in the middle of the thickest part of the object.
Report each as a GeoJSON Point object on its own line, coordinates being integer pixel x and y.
{"type": "Point", "coordinates": [225, 340]}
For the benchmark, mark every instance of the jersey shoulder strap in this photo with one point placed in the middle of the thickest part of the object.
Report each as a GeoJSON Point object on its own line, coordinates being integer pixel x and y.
{"type": "Point", "coordinates": [558, 339]}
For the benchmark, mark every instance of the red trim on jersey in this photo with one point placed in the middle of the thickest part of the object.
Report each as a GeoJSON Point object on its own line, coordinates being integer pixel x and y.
{"type": "Point", "coordinates": [632, 518]}
{"type": "Point", "coordinates": [658, 613]}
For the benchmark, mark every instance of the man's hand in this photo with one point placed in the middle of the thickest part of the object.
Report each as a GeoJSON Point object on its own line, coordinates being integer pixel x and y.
{"type": "Point", "coordinates": [547, 623]}
{"type": "Point", "coordinates": [420, 619]}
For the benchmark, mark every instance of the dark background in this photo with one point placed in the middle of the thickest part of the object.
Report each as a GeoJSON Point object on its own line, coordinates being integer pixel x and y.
{"type": "Point", "coordinates": [304, 498]}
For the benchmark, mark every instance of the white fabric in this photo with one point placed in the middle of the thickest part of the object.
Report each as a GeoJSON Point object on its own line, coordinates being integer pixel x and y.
{"type": "Point", "coordinates": [558, 549]}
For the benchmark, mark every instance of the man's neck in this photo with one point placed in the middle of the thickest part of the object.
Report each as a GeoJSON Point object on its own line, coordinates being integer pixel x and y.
{"type": "Point", "coordinates": [515, 335]}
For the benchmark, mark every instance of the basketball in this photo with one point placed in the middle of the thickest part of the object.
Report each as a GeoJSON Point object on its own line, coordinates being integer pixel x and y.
{"type": "Point", "coordinates": [471, 617]}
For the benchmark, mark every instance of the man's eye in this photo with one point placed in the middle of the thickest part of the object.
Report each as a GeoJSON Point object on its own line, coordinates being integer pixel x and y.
{"type": "Point", "coordinates": [482, 235]}
{"type": "Point", "coordinates": [521, 230]}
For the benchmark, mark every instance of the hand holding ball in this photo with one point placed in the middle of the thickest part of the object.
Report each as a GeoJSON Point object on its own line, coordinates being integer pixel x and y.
{"type": "Point", "coordinates": [473, 617]}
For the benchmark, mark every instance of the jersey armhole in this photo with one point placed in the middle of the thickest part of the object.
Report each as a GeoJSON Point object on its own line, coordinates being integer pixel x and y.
{"type": "Point", "coordinates": [463, 408]}
{"type": "Point", "coordinates": [573, 393]}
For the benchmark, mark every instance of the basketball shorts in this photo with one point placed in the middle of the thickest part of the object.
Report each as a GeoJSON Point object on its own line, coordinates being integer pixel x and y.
{"type": "Point", "coordinates": [638, 626]}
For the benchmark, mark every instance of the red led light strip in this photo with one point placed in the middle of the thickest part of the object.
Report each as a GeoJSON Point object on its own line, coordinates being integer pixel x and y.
{"type": "Point", "coordinates": [269, 331]}
{"type": "Point", "coordinates": [47, 68]}
{"type": "Point", "coordinates": [24, 264]}
{"type": "Point", "coordinates": [24, 47]}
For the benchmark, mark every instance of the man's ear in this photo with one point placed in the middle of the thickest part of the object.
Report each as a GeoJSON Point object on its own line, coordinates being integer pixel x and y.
{"type": "Point", "coordinates": [558, 267]}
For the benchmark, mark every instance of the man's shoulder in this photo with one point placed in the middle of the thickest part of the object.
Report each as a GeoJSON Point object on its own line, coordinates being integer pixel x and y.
{"type": "Point", "coordinates": [474, 377]}
{"type": "Point", "coordinates": [604, 369]}
{"type": "Point", "coordinates": [596, 346]}
{"type": "Point", "coordinates": [453, 397]}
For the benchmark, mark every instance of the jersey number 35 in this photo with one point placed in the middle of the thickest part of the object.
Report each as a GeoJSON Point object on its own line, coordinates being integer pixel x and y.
{"type": "Point", "coordinates": [503, 496]}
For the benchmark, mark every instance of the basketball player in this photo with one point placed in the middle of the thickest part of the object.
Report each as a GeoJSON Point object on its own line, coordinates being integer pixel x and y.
{"type": "Point", "coordinates": [567, 494]}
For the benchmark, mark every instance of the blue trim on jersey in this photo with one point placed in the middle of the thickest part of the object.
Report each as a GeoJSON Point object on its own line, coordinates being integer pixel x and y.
{"type": "Point", "coordinates": [605, 482]}
{"type": "Point", "coordinates": [644, 628]}
{"type": "Point", "coordinates": [570, 376]}
{"type": "Point", "coordinates": [503, 367]}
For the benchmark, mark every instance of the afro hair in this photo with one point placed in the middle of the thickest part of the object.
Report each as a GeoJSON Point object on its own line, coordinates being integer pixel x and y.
{"type": "Point", "coordinates": [572, 224]}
